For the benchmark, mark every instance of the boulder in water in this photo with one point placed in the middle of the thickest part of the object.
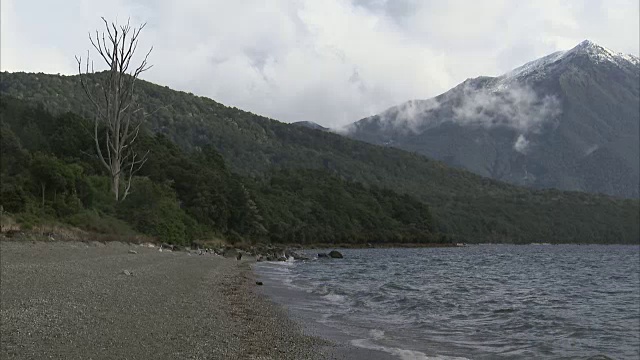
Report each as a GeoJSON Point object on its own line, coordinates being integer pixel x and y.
{"type": "Point", "coordinates": [335, 254]}
{"type": "Point", "coordinates": [297, 256]}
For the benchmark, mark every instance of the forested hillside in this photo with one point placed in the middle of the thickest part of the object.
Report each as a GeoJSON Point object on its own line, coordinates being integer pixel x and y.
{"type": "Point", "coordinates": [465, 207]}
{"type": "Point", "coordinates": [49, 174]}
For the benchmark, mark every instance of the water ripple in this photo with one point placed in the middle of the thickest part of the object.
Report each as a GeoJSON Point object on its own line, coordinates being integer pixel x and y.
{"type": "Point", "coordinates": [480, 302]}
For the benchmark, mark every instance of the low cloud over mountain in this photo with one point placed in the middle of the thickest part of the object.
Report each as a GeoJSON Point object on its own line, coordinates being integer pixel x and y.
{"type": "Point", "coordinates": [568, 120]}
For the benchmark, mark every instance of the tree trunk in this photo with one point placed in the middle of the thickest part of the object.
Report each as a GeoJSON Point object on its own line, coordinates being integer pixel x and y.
{"type": "Point", "coordinates": [115, 186]}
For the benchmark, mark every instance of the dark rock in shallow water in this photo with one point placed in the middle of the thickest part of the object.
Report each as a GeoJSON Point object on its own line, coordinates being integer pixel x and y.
{"type": "Point", "coordinates": [335, 254]}
{"type": "Point", "coordinates": [323, 255]}
{"type": "Point", "coordinates": [297, 256]}
{"type": "Point", "coordinates": [258, 282]}
{"type": "Point", "coordinates": [239, 256]}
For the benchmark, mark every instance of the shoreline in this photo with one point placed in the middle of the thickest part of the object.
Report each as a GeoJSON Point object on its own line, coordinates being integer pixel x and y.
{"type": "Point", "coordinates": [79, 300]}
{"type": "Point", "coordinates": [341, 345]}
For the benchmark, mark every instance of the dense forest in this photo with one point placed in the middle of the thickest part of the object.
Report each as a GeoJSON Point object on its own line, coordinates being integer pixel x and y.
{"type": "Point", "coordinates": [226, 171]}
{"type": "Point", "coordinates": [49, 174]}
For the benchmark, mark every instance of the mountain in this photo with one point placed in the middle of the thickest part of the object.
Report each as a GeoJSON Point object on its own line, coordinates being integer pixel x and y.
{"type": "Point", "coordinates": [569, 120]}
{"type": "Point", "coordinates": [310, 125]}
{"type": "Point", "coordinates": [465, 206]}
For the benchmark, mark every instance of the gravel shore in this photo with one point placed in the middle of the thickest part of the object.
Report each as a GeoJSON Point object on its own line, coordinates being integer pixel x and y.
{"type": "Point", "coordinates": [74, 301]}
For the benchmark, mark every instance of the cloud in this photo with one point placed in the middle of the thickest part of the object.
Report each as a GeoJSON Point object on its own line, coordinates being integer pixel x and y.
{"type": "Point", "coordinates": [517, 107]}
{"type": "Point", "coordinates": [512, 106]}
{"type": "Point", "coordinates": [333, 61]}
{"type": "Point", "coordinates": [412, 116]}
{"type": "Point", "coordinates": [14, 55]}
{"type": "Point", "coordinates": [521, 144]}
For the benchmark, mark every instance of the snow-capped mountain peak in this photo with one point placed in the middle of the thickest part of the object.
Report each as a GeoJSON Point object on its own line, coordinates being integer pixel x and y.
{"type": "Point", "coordinates": [601, 53]}
{"type": "Point", "coordinates": [568, 120]}
{"type": "Point", "coordinates": [539, 67]}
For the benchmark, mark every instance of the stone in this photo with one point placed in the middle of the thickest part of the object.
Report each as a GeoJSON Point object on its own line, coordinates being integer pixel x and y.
{"type": "Point", "coordinates": [132, 252]}
{"type": "Point", "coordinates": [12, 233]}
{"type": "Point", "coordinates": [230, 253]}
{"type": "Point", "coordinates": [323, 255]}
{"type": "Point", "coordinates": [335, 254]}
{"type": "Point", "coordinates": [258, 282]}
{"type": "Point", "coordinates": [127, 272]}
{"type": "Point", "coordinates": [297, 256]}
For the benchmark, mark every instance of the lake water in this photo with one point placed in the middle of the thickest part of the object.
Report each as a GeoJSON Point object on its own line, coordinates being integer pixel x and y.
{"type": "Point", "coordinates": [476, 302]}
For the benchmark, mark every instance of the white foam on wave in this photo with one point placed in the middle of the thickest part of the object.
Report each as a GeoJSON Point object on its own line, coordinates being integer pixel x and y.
{"type": "Point", "coordinates": [377, 334]}
{"type": "Point", "coordinates": [290, 262]}
{"type": "Point", "coordinates": [275, 270]}
{"type": "Point", "coordinates": [403, 354]}
{"type": "Point", "coordinates": [334, 298]}
{"type": "Point", "coordinates": [400, 353]}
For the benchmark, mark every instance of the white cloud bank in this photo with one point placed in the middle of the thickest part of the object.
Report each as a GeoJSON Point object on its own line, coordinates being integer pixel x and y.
{"type": "Point", "coordinates": [333, 61]}
{"type": "Point", "coordinates": [519, 108]}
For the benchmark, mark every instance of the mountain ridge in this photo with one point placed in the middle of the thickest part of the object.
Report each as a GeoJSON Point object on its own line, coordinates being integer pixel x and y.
{"type": "Point", "coordinates": [465, 206]}
{"type": "Point", "coordinates": [580, 105]}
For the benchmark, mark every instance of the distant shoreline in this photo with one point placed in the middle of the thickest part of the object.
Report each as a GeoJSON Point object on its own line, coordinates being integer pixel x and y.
{"type": "Point", "coordinates": [375, 245]}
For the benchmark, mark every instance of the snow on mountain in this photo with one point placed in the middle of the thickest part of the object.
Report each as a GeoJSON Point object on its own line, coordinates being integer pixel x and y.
{"type": "Point", "coordinates": [568, 120]}
{"type": "Point", "coordinates": [538, 68]}
{"type": "Point", "coordinates": [600, 53]}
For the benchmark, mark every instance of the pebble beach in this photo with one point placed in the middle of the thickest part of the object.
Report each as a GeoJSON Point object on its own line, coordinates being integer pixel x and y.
{"type": "Point", "coordinates": [89, 300]}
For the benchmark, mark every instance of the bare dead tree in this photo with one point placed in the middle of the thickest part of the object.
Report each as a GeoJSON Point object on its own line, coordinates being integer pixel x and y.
{"type": "Point", "coordinates": [116, 111]}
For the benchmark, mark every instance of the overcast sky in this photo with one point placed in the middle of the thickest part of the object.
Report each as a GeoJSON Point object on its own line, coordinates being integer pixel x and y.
{"type": "Point", "coordinates": [328, 61]}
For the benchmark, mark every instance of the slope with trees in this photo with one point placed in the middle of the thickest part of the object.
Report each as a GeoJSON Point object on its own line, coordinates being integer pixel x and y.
{"type": "Point", "coordinates": [465, 206]}
{"type": "Point", "coordinates": [183, 196]}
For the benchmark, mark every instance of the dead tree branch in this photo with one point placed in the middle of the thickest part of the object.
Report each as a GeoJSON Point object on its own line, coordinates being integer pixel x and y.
{"type": "Point", "coordinates": [112, 97]}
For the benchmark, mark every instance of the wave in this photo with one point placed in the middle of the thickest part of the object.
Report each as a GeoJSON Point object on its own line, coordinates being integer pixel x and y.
{"type": "Point", "coordinates": [403, 354]}
{"type": "Point", "coordinates": [518, 295]}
